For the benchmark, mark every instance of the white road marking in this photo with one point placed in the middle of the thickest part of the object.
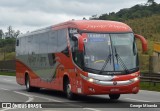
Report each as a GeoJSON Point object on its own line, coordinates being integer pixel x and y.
{"type": "Point", "coordinates": [6, 109]}
{"type": "Point", "coordinates": [9, 80]}
{"type": "Point", "coordinates": [137, 100]}
{"type": "Point", "coordinates": [5, 89]}
{"type": "Point", "coordinates": [53, 100]}
{"type": "Point", "coordinates": [7, 76]}
{"type": "Point", "coordinates": [28, 95]}
{"type": "Point", "coordinates": [30, 100]}
{"type": "Point", "coordinates": [50, 110]}
{"type": "Point", "coordinates": [48, 99]}
{"type": "Point", "coordinates": [92, 109]}
{"type": "Point", "coordinates": [149, 91]}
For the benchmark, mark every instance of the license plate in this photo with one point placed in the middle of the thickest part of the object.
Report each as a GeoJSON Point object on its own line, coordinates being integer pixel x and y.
{"type": "Point", "coordinates": [114, 90]}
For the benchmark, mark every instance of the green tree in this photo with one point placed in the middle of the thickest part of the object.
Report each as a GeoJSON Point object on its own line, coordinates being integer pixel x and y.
{"type": "Point", "coordinates": [150, 2]}
{"type": "Point", "coordinates": [1, 34]}
{"type": "Point", "coordinates": [11, 33]}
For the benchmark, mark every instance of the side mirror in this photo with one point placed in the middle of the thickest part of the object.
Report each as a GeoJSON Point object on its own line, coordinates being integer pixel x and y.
{"type": "Point", "coordinates": [143, 41]}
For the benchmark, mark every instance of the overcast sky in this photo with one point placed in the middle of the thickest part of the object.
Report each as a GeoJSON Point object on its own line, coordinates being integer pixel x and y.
{"type": "Point", "coordinates": [28, 15]}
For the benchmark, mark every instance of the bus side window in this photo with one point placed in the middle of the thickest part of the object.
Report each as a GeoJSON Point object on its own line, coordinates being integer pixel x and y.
{"type": "Point", "coordinates": [43, 43]}
{"type": "Point", "coordinates": [17, 42]}
{"type": "Point", "coordinates": [62, 42]}
{"type": "Point", "coordinates": [52, 42]}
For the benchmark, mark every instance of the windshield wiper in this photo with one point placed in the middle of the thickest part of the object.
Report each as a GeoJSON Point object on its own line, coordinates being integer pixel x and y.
{"type": "Point", "coordinates": [106, 61]}
{"type": "Point", "coordinates": [121, 61]}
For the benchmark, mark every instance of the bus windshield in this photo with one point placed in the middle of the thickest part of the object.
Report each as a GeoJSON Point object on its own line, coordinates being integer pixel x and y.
{"type": "Point", "coordinates": [110, 52]}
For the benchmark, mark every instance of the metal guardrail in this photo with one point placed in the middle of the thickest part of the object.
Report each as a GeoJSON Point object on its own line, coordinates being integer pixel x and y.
{"type": "Point", "coordinates": [152, 78]}
{"type": "Point", "coordinates": [7, 70]}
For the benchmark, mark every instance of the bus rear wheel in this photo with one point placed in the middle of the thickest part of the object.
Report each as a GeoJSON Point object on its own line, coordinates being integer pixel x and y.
{"type": "Point", "coordinates": [29, 88]}
{"type": "Point", "coordinates": [114, 96]}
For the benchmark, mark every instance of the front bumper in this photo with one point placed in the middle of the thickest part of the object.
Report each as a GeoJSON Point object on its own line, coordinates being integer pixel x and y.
{"type": "Point", "coordinates": [110, 87]}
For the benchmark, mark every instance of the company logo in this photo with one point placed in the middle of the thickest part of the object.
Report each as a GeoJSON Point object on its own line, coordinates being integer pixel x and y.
{"type": "Point", "coordinates": [114, 83]}
{"type": "Point", "coordinates": [20, 105]}
{"type": "Point", "coordinates": [6, 105]}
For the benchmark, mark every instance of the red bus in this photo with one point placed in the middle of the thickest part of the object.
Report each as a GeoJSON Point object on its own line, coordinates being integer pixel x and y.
{"type": "Point", "coordinates": [86, 57]}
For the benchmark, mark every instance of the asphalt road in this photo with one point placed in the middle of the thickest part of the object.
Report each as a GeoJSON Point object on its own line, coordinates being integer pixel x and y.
{"type": "Point", "coordinates": [10, 91]}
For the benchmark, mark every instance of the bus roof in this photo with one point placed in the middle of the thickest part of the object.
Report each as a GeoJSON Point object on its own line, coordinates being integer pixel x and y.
{"type": "Point", "coordinates": [87, 26]}
{"type": "Point", "coordinates": [95, 26]}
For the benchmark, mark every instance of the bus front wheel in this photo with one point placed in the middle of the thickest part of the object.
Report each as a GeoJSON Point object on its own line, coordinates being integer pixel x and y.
{"type": "Point", "coordinates": [68, 91]}
{"type": "Point", "coordinates": [114, 96]}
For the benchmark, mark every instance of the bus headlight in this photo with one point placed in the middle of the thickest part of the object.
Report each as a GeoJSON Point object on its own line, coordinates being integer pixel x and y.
{"type": "Point", "coordinates": [135, 79]}
{"type": "Point", "coordinates": [87, 78]}
{"type": "Point", "coordinates": [91, 80]}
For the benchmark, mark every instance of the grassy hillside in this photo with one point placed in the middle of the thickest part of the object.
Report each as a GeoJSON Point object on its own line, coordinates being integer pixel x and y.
{"type": "Point", "coordinates": [149, 27]}
{"type": "Point", "coordinates": [137, 11]}
{"type": "Point", "coordinates": [8, 56]}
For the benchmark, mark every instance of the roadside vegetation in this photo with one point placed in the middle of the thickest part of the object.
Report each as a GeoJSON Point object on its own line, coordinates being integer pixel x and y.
{"type": "Point", "coordinates": [150, 86]}
{"type": "Point", "coordinates": [7, 49]}
{"type": "Point", "coordinates": [8, 73]}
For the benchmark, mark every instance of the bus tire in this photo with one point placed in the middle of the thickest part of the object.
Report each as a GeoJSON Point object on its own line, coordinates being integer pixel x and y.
{"type": "Point", "coordinates": [68, 91]}
{"type": "Point", "coordinates": [114, 96]}
{"type": "Point", "coordinates": [29, 88]}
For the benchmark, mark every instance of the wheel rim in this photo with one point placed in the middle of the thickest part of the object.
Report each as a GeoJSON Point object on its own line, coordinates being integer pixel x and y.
{"type": "Point", "coordinates": [68, 89]}
{"type": "Point", "coordinates": [27, 83]}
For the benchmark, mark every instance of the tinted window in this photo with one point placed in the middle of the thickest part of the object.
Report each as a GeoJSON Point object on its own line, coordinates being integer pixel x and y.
{"type": "Point", "coordinates": [17, 42]}
{"type": "Point", "coordinates": [23, 46]}
{"type": "Point", "coordinates": [18, 47]}
{"type": "Point", "coordinates": [62, 40]}
{"type": "Point", "coordinates": [35, 45]}
{"type": "Point", "coordinates": [52, 42]}
{"type": "Point", "coordinates": [29, 44]}
{"type": "Point", "coordinates": [43, 43]}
